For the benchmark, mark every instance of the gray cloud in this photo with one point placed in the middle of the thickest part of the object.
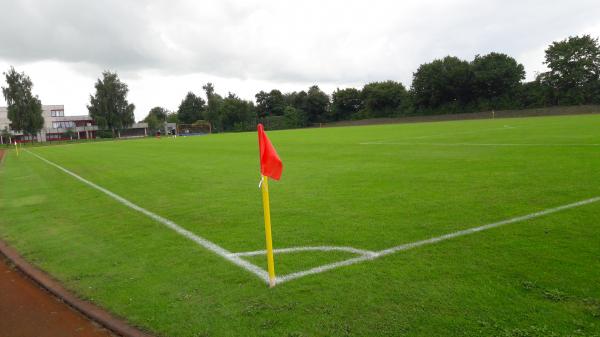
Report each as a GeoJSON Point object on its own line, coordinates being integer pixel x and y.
{"type": "Point", "coordinates": [337, 41]}
{"type": "Point", "coordinates": [106, 33]}
{"type": "Point", "coordinates": [163, 48]}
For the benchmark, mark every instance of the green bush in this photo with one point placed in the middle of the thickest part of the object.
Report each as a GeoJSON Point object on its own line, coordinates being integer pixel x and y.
{"type": "Point", "coordinates": [294, 118]}
{"type": "Point", "coordinates": [104, 134]}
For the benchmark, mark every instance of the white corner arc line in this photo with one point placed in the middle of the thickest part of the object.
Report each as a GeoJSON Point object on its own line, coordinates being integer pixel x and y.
{"type": "Point", "coordinates": [353, 250]}
{"type": "Point", "coordinates": [213, 247]}
{"type": "Point", "coordinates": [433, 240]}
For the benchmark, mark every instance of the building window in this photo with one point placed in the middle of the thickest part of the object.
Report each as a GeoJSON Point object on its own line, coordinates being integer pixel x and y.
{"type": "Point", "coordinates": [63, 124]}
{"type": "Point", "coordinates": [83, 123]}
{"type": "Point", "coordinates": [57, 113]}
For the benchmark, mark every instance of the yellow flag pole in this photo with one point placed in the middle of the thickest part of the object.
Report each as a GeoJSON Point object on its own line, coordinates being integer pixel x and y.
{"type": "Point", "coordinates": [267, 211]}
{"type": "Point", "coordinates": [17, 148]}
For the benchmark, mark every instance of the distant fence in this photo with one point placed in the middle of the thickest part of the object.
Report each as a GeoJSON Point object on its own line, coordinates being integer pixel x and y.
{"type": "Point", "coordinates": [549, 111]}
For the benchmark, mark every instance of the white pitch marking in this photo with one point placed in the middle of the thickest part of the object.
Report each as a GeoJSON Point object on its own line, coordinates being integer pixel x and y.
{"type": "Point", "coordinates": [312, 248]}
{"type": "Point", "coordinates": [482, 144]}
{"type": "Point", "coordinates": [437, 239]}
{"type": "Point", "coordinates": [323, 268]}
{"type": "Point", "coordinates": [263, 275]}
{"type": "Point", "coordinates": [505, 127]}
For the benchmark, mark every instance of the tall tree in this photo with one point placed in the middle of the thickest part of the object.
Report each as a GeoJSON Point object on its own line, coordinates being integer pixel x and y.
{"type": "Point", "coordinates": [316, 104]}
{"type": "Point", "coordinates": [214, 105]}
{"type": "Point", "coordinates": [159, 112]}
{"type": "Point", "coordinates": [345, 103]}
{"type": "Point", "coordinates": [237, 114]}
{"type": "Point", "coordinates": [574, 69]}
{"type": "Point", "coordinates": [156, 118]}
{"type": "Point", "coordinates": [296, 99]}
{"type": "Point", "coordinates": [535, 94]}
{"type": "Point", "coordinates": [442, 82]}
{"type": "Point", "coordinates": [109, 106]}
{"type": "Point", "coordinates": [496, 78]}
{"type": "Point", "coordinates": [24, 109]}
{"type": "Point", "coordinates": [172, 117]}
{"type": "Point", "coordinates": [384, 99]}
{"type": "Point", "coordinates": [262, 98]}
{"type": "Point", "coordinates": [191, 109]}
{"type": "Point", "coordinates": [270, 104]}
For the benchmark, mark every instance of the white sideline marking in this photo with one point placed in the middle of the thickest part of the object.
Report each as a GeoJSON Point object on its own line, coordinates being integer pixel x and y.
{"type": "Point", "coordinates": [263, 275]}
{"type": "Point", "coordinates": [505, 127]}
{"type": "Point", "coordinates": [433, 240]}
{"type": "Point", "coordinates": [482, 144]}
{"type": "Point", "coordinates": [307, 249]}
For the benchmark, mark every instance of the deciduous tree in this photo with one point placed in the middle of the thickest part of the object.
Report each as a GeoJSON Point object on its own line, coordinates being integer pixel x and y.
{"type": "Point", "coordinates": [191, 109]}
{"type": "Point", "coordinates": [213, 108]}
{"type": "Point", "coordinates": [442, 82]}
{"type": "Point", "coordinates": [109, 106]}
{"type": "Point", "coordinates": [237, 114]}
{"type": "Point", "coordinates": [270, 104]}
{"type": "Point", "coordinates": [384, 99]}
{"type": "Point", "coordinates": [24, 109]}
{"type": "Point", "coordinates": [316, 104]}
{"type": "Point", "coordinates": [345, 103]}
{"type": "Point", "coordinates": [496, 79]}
{"type": "Point", "coordinates": [172, 117]}
{"type": "Point", "coordinates": [574, 69]}
{"type": "Point", "coordinates": [156, 118]}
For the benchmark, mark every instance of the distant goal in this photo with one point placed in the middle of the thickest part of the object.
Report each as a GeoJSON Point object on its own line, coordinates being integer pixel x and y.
{"type": "Point", "coordinates": [196, 129]}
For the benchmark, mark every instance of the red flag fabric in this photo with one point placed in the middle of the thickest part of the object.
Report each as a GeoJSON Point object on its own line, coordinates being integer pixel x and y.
{"type": "Point", "coordinates": [270, 164]}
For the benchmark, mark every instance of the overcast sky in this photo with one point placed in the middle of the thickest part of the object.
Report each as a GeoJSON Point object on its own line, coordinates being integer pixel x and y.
{"type": "Point", "coordinates": [163, 49]}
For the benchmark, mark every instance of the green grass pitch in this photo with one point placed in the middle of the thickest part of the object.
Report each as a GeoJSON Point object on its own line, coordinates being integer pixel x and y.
{"type": "Point", "coordinates": [370, 188]}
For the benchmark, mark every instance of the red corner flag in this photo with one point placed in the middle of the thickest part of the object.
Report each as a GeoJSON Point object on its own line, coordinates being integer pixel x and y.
{"type": "Point", "coordinates": [270, 164]}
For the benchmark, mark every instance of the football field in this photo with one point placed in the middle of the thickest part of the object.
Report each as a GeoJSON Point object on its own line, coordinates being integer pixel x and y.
{"type": "Point", "coordinates": [464, 228]}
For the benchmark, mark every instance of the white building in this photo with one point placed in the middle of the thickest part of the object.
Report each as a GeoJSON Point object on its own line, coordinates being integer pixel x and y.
{"type": "Point", "coordinates": [56, 124]}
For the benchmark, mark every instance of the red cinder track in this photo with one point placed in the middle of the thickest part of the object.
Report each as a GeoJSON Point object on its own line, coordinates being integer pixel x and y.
{"type": "Point", "coordinates": [26, 310]}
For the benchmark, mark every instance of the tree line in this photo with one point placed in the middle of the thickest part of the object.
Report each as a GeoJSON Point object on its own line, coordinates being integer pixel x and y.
{"type": "Point", "coordinates": [449, 85]}
{"type": "Point", "coordinates": [494, 81]}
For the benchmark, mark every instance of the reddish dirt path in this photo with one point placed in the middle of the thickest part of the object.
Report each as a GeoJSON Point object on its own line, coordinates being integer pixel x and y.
{"type": "Point", "coordinates": [27, 311]}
